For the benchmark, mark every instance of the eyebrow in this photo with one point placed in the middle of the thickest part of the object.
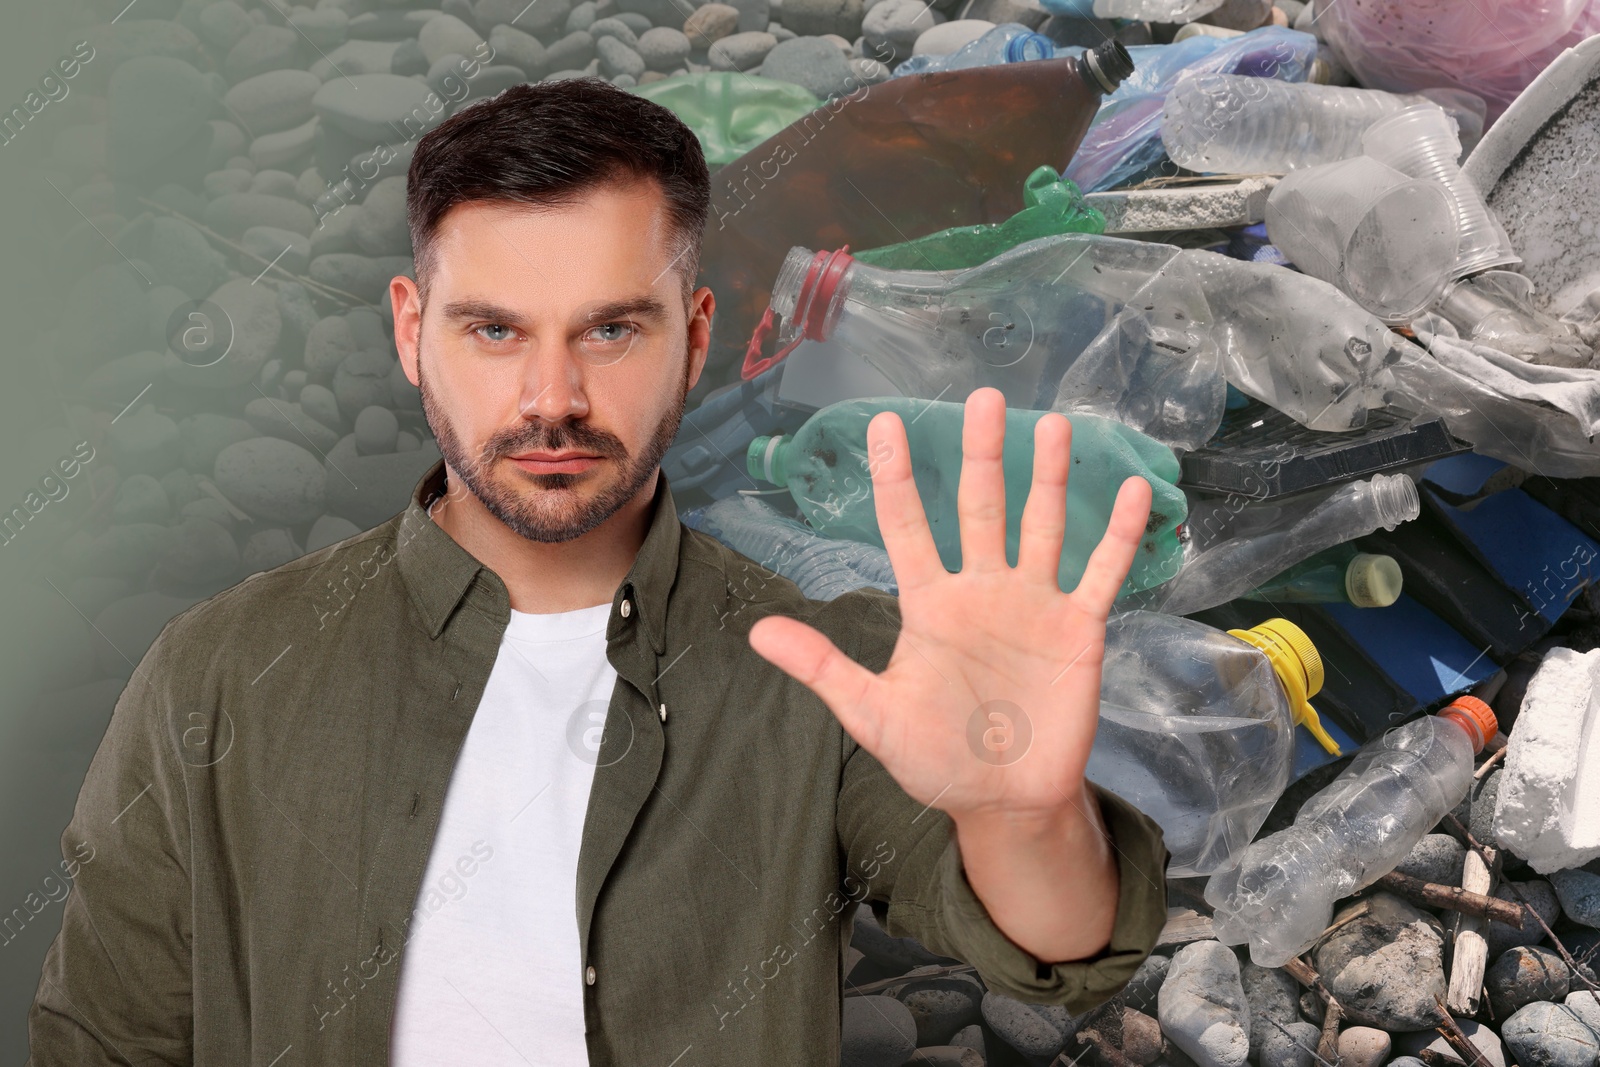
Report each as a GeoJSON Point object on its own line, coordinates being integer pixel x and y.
{"type": "Point", "coordinates": [643, 307]}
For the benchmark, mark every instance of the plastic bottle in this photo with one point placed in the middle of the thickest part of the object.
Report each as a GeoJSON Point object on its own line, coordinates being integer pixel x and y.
{"type": "Point", "coordinates": [1280, 895]}
{"type": "Point", "coordinates": [1054, 205]}
{"type": "Point", "coordinates": [1009, 42]}
{"type": "Point", "coordinates": [1197, 727]}
{"type": "Point", "coordinates": [822, 567]}
{"type": "Point", "coordinates": [827, 467]}
{"type": "Point", "coordinates": [1340, 575]}
{"type": "Point", "coordinates": [1214, 570]}
{"type": "Point", "coordinates": [834, 177]}
{"type": "Point", "coordinates": [1019, 322]}
{"type": "Point", "coordinates": [1229, 124]}
{"type": "Point", "coordinates": [730, 112]}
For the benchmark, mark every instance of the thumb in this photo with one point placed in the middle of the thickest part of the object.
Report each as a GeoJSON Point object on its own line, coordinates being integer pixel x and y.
{"type": "Point", "coordinates": [807, 655]}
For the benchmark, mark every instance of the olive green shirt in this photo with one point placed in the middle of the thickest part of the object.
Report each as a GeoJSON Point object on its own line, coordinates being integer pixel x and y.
{"type": "Point", "coordinates": [260, 811]}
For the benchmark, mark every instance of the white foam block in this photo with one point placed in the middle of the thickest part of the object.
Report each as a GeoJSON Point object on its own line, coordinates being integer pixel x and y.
{"type": "Point", "coordinates": [1548, 810]}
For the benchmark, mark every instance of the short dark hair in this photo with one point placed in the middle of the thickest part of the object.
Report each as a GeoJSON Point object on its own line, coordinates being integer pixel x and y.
{"type": "Point", "coordinates": [548, 144]}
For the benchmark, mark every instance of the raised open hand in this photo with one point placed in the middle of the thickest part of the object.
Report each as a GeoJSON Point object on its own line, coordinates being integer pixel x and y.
{"type": "Point", "coordinates": [990, 700]}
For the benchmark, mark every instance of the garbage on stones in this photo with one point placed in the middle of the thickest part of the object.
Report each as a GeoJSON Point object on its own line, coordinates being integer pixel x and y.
{"type": "Point", "coordinates": [1326, 274]}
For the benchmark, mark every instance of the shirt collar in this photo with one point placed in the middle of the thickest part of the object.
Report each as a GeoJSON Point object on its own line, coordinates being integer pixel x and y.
{"type": "Point", "coordinates": [438, 571]}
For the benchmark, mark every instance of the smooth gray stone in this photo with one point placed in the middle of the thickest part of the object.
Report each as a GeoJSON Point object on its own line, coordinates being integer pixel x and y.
{"type": "Point", "coordinates": [274, 182]}
{"type": "Point", "coordinates": [874, 1031]}
{"type": "Point", "coordinates": [272, 479]}
{"type": "Point", "coordinates": [942, 1006]}
{"type": "Point", "coordinates": [362, 380]}
{"type": "Point", "coordinates": [283, 249]}
{"type": "Point", "coordinates": [143, 440]}
{"type": "Point", "coordinates": [570, 52]}
{"type": "Point", "coordinates": [1579, 893]}
{"type": "Point", "coordinates": [659, 12]}
{"type": "Point", "coordinates": [408, 59]}
{"type": "Point", "coordinates": [741, 51]}
{"type": "Point", "coordinates": [276, 100]}
{"type": "Point", "coordinates": [198, 551]}
{"type": "Point", "coordinates": [813, 18]}
{"type": "Point", "coordinates": [389, 25]}
{"type": "Point", "coordinates": [204, 435]}
{"type": "Point", "coordinates": [224, 24]}
{"type": "Point", "coordinates": [319, 402]}
{"type": "Point", "coordinates": [286, 420]}
{"type": "Point", "coordinates": [322, 28]}
{"type": "Point", "coordinates": [613, 27]}
{"type": "Point", "coordinates": [1202, 1006]}
{"type": "Point", "coordinates": [1523, 975]}
{"type": "Point", "coordinates": [265, 47]}
{"type": "Point", "coordinates": [329, 530]}
{"type": "Point", "coordinates": [266, 549]}
{"type": "Point", "coordinates": [293, 146]}
{"type": "Point", "coordinates": [895, 25]}
{"type": "Point", "coordinates": [812, 63]}
{"type": "Point", "coordinates": [1385, 966]}
{"type": "Point", "coordinates": [180, 255]}
{"type": "Point", "coordinates": [582, 16]}
{"type": "Point", "coordinates": [1035, 1030]}
{"type": "Point", "coordinates": [367, 277]}
{"type": "Point", "coordinates": [1485, 1040]}
{"type": "Point", "coordinates": [234, 213]}
{"type": "Point", "coordinates": [251, 313]}
{"type": "Point", "coordinates": [376, 431]}
{"type": "Point", "coordinates": [1548, 1035]}
{"type": "Point", "coordinates": [546, 19]}
{"type": "Point", "coordinates": [364, 489]}
{"type": "Point", "coordinates": [633, 20]}
{"type": "Point", "coordinates": [1436, 858]}
{"type": "Point", "coordinates": [1274, 1000]}
{"type": "Point", "coordinates": [381, 229]}
{"type": "Point", "coordinates": [356, 57]}
{"type": "Point", "coordinates": [520, 49]}
{"type": "Point", "coordinates": [617, 58]}
{"type": "Point", "coordinates": [445, 35]}
{"type": "Point", "coordinates": [370, 107]}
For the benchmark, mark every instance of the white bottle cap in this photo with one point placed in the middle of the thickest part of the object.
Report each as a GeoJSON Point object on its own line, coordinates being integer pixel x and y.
{"type": "Point", "coordinates": [1373, 581]}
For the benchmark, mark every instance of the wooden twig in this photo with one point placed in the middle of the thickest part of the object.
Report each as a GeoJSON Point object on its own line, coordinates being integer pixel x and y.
{"type": "Point", "coordinates": [337, 295]}
{"type": "Point", "coordinates": [1470, 1054]}
{"type": "Point", "coordinates": [1471, 952]}
{"type": "Point", "coordinates": [1488, 765]}
{"type": "Point", "coordinates": [1452, 897]}
{"type": "Point", "coordinates": [1301, 971]}
{"type": "Point", "coordinates": [1435, 1058]}
{"type": "Point", "coordinates": [1566, 957]}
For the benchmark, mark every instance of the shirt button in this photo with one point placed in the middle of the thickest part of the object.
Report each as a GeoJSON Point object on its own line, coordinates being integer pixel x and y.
{"type": "Point", "coordinates": [588, 976]}
{"type": "Point", "coordinates": [663, 713]}
{"type": "Point", "coordinates": [627, 608]}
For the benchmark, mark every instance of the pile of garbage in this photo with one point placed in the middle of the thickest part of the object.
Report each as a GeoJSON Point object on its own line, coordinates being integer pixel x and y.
{"type": "Point", "coordinates": [1327, 275]}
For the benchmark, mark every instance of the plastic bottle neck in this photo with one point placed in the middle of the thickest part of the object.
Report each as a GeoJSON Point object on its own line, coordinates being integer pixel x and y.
{"type": "Point", "coordinates": [1473, 716]}
{"type": "Point", "coordinates": [1026, 46]}
{"type": "Point", "coordinates": [1298, 665]}
{"type": "Point", "coordinates": [764, 459]}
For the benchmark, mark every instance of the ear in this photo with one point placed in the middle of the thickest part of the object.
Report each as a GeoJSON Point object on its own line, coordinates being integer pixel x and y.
{"type": "Point", "coordinates": [701, 306]}
{"type": "Point", "coordinates": [407, 304]}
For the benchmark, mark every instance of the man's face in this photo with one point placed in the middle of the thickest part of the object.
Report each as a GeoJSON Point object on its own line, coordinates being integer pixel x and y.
{"type": "Point", "coordinates": [554, 353]}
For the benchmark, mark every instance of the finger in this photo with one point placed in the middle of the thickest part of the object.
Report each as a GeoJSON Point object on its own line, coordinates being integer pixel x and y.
{"type": "Point", "coordinates": [981, 494]}
{"type": "Point", "coordinates": [1112, 558]}
{"type": "Point", "coordinates": [808, 656]}
{"type": "Point", "coordinates": [1044, 516]}
{"type": "Point", "coordinates": [902, 520]}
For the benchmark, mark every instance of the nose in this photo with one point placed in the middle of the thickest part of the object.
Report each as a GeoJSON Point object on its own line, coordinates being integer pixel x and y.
{"type": "Point", "coordinates": [552, 386]}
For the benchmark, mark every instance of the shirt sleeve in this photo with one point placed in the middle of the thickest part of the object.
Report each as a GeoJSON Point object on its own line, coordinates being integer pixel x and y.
{"type": "Point", "coordinates": [907, 856]}
{"type": "Point", "coordinates": [116, 986]}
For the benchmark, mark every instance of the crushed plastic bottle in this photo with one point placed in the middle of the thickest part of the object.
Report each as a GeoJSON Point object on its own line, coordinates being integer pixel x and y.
{"type": "Point", "coordinates": [1280, 894]}
{"type": "Point", "coordinates": [1054, 205]}
{"type": "Point", "coordinates": [1257, 543]}
{"type": "Point", "coordinates": [1223, 123]}
{"type": "Point", "coordinates": [1340, 575]}
{"type": "Point", "coordinates": [1197, 727]}
{"type": "Point", "coordinates": [827, 467]}
{"type": "Point", "coordinates": [822, 567]}
{"type": "Point", "coordinates": [1009, 42]}
{"type": "Point", "coordinates": [1124, 146]}
{"type": "Point", "coordinates": [834, 177]}
{"type": "Point", "coordinates": [730, 112]}
{"type": "Point", "coordinates": [1496, 308]}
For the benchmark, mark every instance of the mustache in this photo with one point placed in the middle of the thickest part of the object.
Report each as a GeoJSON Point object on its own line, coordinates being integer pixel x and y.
{"type": "Point", "coordinates": [557, 438]}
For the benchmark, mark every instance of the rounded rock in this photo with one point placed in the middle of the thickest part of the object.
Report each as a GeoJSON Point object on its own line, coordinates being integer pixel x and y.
{"type": "Point", "coordinates": [946, 37]}
{"type": "Point", "coordinates": [376, 431]}
{"type": "Point", "coordinates": [1548, 1035]}
{"type": "Point", "coordinates": [613, 27]}
{"type": "Point", "coordinates": [1035, 1030]}
{"type": "Point", "coordinates": [741, 51]}
{"type": "Point", "coordinates": [893, 26]}
{"type": "Point", "coordinates": [276, 100]}
{"type": "Point", "coordinates": [616, 58]}
{"type": "Point", "coordinates": [875, 1030]}
{"type": "Point", "coordinates": [663, 48]}
{"type": "Point", "coordinates": [1202, 1006]}
{"type": "Point", "coordinates": [272, 479]}
{"type": "Point", "coordinates": [266, 549]}
{"type": "Point", "coordinates": [813, 63]}
{"type": "Point", "coordinates": [446, 34]}
{"type": "Point", "coordinates": [813, 18]}
{"type": "Point", "coordinates": [521, 49]}
{"type": "Point", "coordinates": [1363, 1046]}
{"type": "Point", "coordinates": [711, 23]}
{"type": "Point", "coordinates": [1523, 975]}
{"type": "Point", "coordinates": [1436, 858]}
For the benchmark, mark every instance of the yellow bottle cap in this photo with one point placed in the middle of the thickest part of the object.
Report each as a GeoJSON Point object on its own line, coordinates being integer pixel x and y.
{"type": "Point", "coordinates": [1373, 581]}
{"type": "Point", "coordinates": [1298, 666]}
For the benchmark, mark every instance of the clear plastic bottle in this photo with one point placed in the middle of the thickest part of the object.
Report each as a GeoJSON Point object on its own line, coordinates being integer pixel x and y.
{"type": "Point", "coordinates": [822, 567]}
{"type": "Point", "coordinates": [828, 469]}
{"type": "Point", "coordinates": [1212, 571]}
{"type": "Point", "coordinates": [1340, 575]}
{"type": "Point", "coordinates": [963, 143]}
{"type": "Point", "coordinates": [1009, 42]}
{"type": "Point", "coordinates": [1197, 727]}
{"type": "Point", "coordinates": [1021, 322]}
{"type": "Point", "coordinates": [1231, 124]}
{"type": "Point", "coordinates": [1280, 895]}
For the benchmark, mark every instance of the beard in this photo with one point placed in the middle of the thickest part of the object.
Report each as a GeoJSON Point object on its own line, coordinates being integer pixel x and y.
{"type": "Point", "coordinates": [552, 509]}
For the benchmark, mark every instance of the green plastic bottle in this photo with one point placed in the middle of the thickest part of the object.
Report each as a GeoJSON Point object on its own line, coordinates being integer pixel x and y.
{"type": "Point", "coordinates": [729, 112]}
{"type": "Point", "coordinates": [826, 466]}
{"type": "Point", "coordinates": [1053, 205]}
{"type": "Point", "coordinates": [1342, 574]}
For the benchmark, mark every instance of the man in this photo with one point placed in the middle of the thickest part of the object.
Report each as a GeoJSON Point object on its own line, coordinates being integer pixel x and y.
{"type": "Point", "coordinates": [396, 832]}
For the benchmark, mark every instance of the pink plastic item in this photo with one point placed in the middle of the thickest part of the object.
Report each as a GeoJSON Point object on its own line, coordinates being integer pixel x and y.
{"type": "Point", "coordinates": [1490, 47]}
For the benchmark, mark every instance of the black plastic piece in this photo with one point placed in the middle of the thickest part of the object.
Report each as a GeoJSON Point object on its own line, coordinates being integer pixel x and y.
{"type": "Point", "coordinates": [1261, 453]}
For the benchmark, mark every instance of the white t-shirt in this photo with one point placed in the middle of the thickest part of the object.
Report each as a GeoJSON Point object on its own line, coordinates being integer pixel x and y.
{"type": "Point", "coordinates": [492, 973]}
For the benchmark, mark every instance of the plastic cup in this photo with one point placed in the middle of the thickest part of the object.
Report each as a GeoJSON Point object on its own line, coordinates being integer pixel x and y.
{"type": "Point", "coordinates": [1387, 240]}
{"type": "Point", "coordinates": [1420, 141]}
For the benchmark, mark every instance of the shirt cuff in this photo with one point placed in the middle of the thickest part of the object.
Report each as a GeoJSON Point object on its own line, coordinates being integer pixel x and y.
{"type": "Point", "coordinates": [1080, 985]}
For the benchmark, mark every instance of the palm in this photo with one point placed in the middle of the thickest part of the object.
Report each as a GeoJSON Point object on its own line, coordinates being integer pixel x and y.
{"type": "Point", "coordinates": [991, 696]}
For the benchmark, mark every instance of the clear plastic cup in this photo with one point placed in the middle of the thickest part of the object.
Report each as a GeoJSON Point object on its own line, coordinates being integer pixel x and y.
{"type": "Point", "coordinates": [1420, 141]}
{"type": "Point", "coordinates": [1386, 239]}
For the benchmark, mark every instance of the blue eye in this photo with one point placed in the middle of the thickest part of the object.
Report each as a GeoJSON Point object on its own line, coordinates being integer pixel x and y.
{"type": "Point", "coordinates": [489, 336]}
{"type": "Point", "coordinates": [613, 331]}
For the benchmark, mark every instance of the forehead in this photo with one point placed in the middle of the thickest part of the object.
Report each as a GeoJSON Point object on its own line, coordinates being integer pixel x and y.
{"type": "Point", "coordinates": [618, 231]}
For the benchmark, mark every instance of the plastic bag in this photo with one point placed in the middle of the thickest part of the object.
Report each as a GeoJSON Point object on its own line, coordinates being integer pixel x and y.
{"type": "Point", "coordinates": [730, 112]}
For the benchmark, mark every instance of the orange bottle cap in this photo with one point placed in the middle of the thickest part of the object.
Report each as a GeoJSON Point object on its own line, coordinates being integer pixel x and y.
{"type": "Point", "coordinates": [1476, 716]}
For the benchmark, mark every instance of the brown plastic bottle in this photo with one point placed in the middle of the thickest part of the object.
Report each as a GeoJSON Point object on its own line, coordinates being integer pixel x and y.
{"type": "Point", "coordinates": [885, 164]}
